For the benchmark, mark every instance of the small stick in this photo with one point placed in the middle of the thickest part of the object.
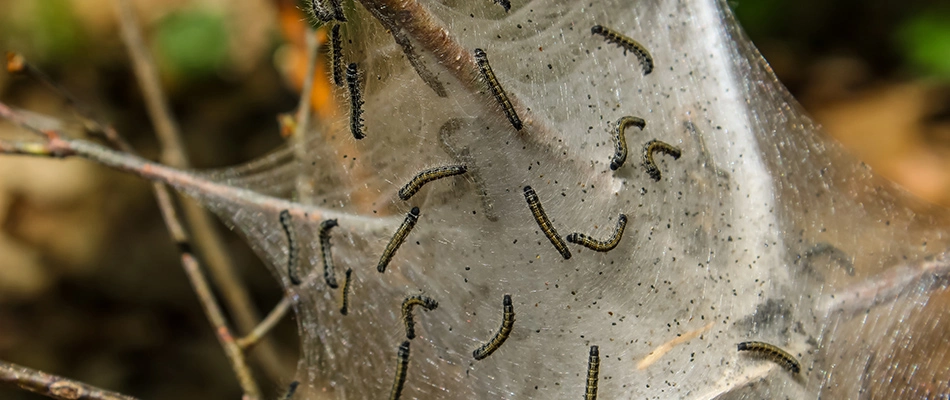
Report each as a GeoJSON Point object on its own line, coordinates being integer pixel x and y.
{"type": "Point", "coordinates": [53, 386]}
{"type": "Point", "coordinates": [173, 153]}
{"type": "Point", "coordinates": [221, 329]}
{"type": "Point", "coordinates": [275, 316]}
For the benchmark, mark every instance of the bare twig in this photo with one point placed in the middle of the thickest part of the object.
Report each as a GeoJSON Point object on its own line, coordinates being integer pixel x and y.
{"type": "Point", "coordinates": [303, 108]}
{"type": "Point", "coordinates": [56, 146]}
{"type": "Point", "coordinates": [173, 150]}
{"type": "Point", "coordinates": [206, 233]}
{"type": "Point", "coordinates": [53, 386]}
{"type": "Point", "coordinates": [882, 288]}
{"type": "Point", "coordinates": [169, 214]}
{"type": "Point", "coordinates": [302, 133]}
{"type": "Point", "coordinates": [179, 234]}
{"type": "Point", "coordinates": [234, 353]}
{"type": "Point", "coordinates": [277, 314]}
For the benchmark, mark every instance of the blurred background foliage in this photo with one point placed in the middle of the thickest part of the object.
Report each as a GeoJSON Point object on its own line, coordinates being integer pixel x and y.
{"type": "Point", "coordinates": [90, 286]}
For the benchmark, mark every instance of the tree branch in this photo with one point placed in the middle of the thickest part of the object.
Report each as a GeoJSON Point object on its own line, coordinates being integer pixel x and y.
{"type": "Point", "coordinates": [274, 317]}
{"type": "Point", "coordinates": [53, 386]}
{"type": "Point", "coordinates": [206, 233]}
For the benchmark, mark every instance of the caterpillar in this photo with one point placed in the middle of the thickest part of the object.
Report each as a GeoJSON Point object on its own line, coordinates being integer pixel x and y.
{"type": "Point", "coordinates": [327, 13]}
{"type": "Point", "coordinates": [506, 325]}
{"type": "Point", "coordinates": [321, 11]}
{"type": "Point", "coordinates": [328, 273]}
{"type": "Point", "coordinates": [336, 55]}
{"type": "Point", "coordinates": [398, 238]}
{"type": "Point", "coordinates": [291, 389]}
{"type": "Point", "coordinates": [593, 371]}
{"type": "Point", "coordinates": [627, 44]}
{"type": "Point", "coordinates": [402, 367]}
{"type": "Point", "coordinates": [544, 223]}
{"type": "Point", "coordinates": [482, 60]}
{"type": "Point", "coordinates": [654, 146]}
{"type": "Point", "coordinates": [597, 245]}
{"type": "Point", "coordinates": [772, 352]}
{"type": "Point", "coordinates": [427, 176]}
{"type": "Point", "coordinates": [346, 292]}
{"type": "Point", "coordinates": [620, 156]}
{"type": "Point", "coordinates": [354, 82]}
{"type": "Point", "coordinates": [337, 10]}
{"type": "Point", "coordinates": [464, 155]}
{"type": "Point", "coordinates": [285, 221]}
{"type": "Point", "coordinates": [417, 300]}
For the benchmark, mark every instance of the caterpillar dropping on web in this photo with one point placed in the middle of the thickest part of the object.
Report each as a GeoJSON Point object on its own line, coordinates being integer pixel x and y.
{"type": "Point", "coordinates": [597, 245]}
{"type": "Point", "coordinates": [427, 176]}
{"type": "Point", "coordinates": [534, 204]}
{"type": "Point", "coordinates": [627, 44]}
{"type": "Point", "coordinates": [344, 309]}
{"type": "Point", "coordinates": [291, 389]}
{"type": "Point", "coordinates": [772, 352]}
{"type": "Point", "coordinates": [402, 366]}
{"type": "Point", "coordinates": [336, 55]}
{"type": "Point", "coordinates": [328, 274]}
{"type": "Point", "coordinates": [398, 238]}
{"type": "Point", "coordinates": [656, 146]}
{"type": "Point", "coordinates": [507, 323]}
{"type": "Point", "coordinates": [285, 221]}
{"type": "Point", "coordinates": [354, 83]}
{"type": "Point", "coordinates": [620, 156]}
{"type": "Point", "coordinates": [593, 372]}
{"type": "Point", "coordinates": [482, 60]}
{"type": "Point", "coordinates": [417, 300]}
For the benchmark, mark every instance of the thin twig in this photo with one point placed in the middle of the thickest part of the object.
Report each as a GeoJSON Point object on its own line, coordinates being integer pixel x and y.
{"type": "Point", "coordinates": [234, 353]}
{"type": "Point", "coordinates": [179, 234]}
{"type": "Point", "coordinates": [172, 221]}
{"type": "Point", "coordinates": [206, 233]}
{"type": "Point", "coordinates": [56, 146]}
{"type": "Point", "coordinates": [887, 286]}
{"type": "Point", "coordinates": [303, 108]}
{"type": "Point", "coordinates": [166, 129]}
{"type": "Point", "coordinates": [53, 386]}
{"type": "Point", "coordinates": [275, 316]}
{"type": "Point", "coordinates": [301, 134]}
